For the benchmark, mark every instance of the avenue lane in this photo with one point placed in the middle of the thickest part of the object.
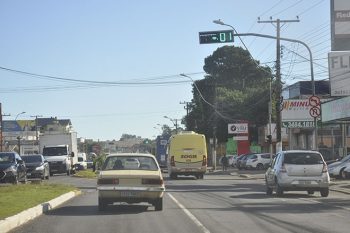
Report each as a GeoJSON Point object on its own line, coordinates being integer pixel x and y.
{"type": "Point", "coordinates": [219, 203]}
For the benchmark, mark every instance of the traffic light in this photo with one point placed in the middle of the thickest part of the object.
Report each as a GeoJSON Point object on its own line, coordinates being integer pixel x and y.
{"type": "Point", "coordinates": [269, 138]}
{"type": "Point", "coordinates": [216, 37]}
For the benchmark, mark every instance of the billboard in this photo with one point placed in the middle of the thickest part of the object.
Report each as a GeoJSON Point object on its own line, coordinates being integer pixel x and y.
{"type": "Point", "coordinates": [336, 109]}
{"type": "Point", "coordinates": [339, 72]}
{"type": "Point", "coordinates": [340, 24]}
{"type": "Point", "coordinates": [238, 128]}
{"type": "Point", "coordinates": [296, 114]}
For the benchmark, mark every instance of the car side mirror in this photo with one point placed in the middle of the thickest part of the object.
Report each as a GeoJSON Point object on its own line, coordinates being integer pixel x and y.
{"type": "Point", "coordinates": [45, 161]}
{"type": "Point", "coordinates": [20, 161]}
{"type": "Point", "coordinates": [72, 154]}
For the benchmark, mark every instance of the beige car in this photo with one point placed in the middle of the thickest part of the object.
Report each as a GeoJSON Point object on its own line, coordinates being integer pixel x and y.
{"type": "Point", "coordinates": [130, 178]}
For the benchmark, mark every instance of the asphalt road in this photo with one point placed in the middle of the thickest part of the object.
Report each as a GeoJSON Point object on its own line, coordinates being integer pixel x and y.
{"type": "Point", "coordinates": [219, 203]}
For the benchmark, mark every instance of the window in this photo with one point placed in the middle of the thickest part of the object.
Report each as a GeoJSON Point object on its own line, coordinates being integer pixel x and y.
{"type": "Point", "coordinates": [130, 163]}
{"type": "Point", "coordinates": [303, 158]}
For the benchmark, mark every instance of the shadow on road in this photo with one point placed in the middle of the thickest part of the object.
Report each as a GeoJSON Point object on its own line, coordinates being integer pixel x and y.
{"type": "Point", "coordinates": [116, 209]}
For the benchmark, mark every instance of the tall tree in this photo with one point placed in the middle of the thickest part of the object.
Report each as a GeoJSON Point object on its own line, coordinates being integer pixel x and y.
{"type": "Point", "coordinates": [234, 88]}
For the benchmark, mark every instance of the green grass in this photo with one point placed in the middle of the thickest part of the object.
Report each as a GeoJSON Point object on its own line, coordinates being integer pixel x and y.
{"type": "Point", "coordinates": [85, 174]}
{"type": "Point", "coordinates": [16, 198]}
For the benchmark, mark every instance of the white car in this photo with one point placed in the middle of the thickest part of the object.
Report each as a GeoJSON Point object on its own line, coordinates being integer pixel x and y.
{"type": "Point", "coordinates": [258, 161]}
{"type": "Point", "coordinates": [130, 178]}
{"type": "Point", "coordinates": [337, 169]}
{"type": "Point", "coordinates": [347, 171]}
{"type": "Point", "coordinates": [298, 170]}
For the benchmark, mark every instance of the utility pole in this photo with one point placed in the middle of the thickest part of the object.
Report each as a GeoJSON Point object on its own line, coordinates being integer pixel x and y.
{"type": "Point", "coordinates": [1, 128]}
{"type": "Point", "coordinates": [278, 78]}
{"type": "Point", "coordinates": [36, 128]}
{"type": "Point", "coordinates": [187, 107]}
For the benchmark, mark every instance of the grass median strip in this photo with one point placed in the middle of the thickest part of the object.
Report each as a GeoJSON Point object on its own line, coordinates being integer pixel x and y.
{"type": "Point", "coordinates": [86, 174]}
{"type": "Point", "coordinates": [16, 198]}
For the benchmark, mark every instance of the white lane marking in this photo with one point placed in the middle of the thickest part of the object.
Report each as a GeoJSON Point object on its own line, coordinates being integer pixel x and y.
{"type": "Point", "coordinates": [189, 214]}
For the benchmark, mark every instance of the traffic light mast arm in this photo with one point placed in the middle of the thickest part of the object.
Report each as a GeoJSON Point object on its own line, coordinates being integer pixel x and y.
{"type": "Point", "coordinates": [290, 40]}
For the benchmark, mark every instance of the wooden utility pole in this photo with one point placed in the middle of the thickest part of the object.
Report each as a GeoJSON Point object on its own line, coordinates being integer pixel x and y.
{"type": "Point", "coordinates": [278, 77]}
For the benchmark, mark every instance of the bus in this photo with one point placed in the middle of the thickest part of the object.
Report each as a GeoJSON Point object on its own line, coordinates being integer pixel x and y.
{"type": "Point", "coordinates": [187, 155]}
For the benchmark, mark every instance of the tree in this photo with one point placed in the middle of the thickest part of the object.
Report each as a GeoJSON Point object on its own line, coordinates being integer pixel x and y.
{"type": "Point", "coordinates": [234, 88]}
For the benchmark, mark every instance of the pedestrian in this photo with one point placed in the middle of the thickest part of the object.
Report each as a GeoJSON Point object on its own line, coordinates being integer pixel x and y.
{"type": "Point", "coordinates": [224, 162]}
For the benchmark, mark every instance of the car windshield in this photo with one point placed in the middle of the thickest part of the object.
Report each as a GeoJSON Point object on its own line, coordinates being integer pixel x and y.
{"type": "Point", "coordinates": [55, 151]}
{"type": "Point", "coordinates": [80, 159]}
{"type": "Point", "coordinates": [32, 158]}
{"type": "Point", "coordinates": [130, 163]}
{"type": "Point", "coordinates": [7, 158]}
{"type": "Point", "coordinates": [303, 158]}
{"type": "Point", "coordinates": [346, 158]}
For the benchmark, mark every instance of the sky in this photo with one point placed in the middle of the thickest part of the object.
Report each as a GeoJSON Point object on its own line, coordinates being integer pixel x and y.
{"type": "Point", "coordinates": [113, 66]}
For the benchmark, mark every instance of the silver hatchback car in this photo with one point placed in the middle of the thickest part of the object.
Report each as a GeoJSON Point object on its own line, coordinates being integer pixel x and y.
{"type": "Point", "coordinates": [298, 170]}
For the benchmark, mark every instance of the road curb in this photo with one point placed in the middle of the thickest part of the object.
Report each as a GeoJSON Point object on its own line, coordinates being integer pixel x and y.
{"type": "Point", "coordinates": [14, 221]}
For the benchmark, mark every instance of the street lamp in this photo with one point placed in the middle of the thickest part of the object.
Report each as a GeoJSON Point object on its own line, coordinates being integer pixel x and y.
{"type": "Point", "coordinates": [19, 114]}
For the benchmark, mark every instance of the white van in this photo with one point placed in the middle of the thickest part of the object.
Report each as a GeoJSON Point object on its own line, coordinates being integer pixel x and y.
{"type": "Point", "coordinates": [82, 162]}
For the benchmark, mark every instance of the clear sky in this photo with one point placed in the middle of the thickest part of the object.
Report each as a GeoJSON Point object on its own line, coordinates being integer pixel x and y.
{"type": "Point", "coordinates": [136, 50]}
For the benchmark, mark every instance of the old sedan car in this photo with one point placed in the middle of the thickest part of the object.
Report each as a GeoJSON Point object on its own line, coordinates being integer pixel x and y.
{"type": "Point", "coordinates": [37, 166]}
{"type": "Point", "coordinates": [130, 178]}
{"type": "Point", "coordinates": [12, 168]}
{"type": "Point", "coordinates": [298, 170]}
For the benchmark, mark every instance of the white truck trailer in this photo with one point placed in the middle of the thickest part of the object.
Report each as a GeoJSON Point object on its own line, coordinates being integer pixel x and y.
{"type": "Point", "coordinates": [60, 150]}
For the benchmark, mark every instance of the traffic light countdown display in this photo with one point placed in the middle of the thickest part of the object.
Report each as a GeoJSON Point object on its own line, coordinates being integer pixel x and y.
{"type": "Point", "coordinates": [212, 37]}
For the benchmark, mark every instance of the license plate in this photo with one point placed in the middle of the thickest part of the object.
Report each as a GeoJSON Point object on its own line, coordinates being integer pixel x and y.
{"type": "Point", "coordinates": [304, 182]}
{"type": "Point", "coordinates": [127, 194]}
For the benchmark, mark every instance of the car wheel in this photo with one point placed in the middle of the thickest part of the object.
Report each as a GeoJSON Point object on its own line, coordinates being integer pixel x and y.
{"type": "Point", "coordinates": [51, 173]}
{"type": "Point", "coordinates": [158, 204]}
{"type": "Point", "coordinates": [343, 174]}
{"type": "Point", "coordinates": [102, 204]}
{"type": "Point", "coordinates": [310, 192]}
{"type": "Point", "coordinates": [279, 190]}
{"type": "Point", "coordinates": [324, 192]}
{"type": "Point", "coordinates": [260, 166]}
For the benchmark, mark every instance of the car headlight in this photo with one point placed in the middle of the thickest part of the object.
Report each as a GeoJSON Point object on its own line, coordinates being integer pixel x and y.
{"type": "Point", "coordinates": [40, 168]}
{"type": "Point", "coordinates": [10, 169]}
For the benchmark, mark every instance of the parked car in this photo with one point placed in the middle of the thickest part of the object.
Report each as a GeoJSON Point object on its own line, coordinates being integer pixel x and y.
{"type": "Point", "coordinates": [298, 170]}
{"type": "Point", "coordinates": [337, 169]}
{"type": "Point", "coordinates": [37, 166]}
{"type": "Point", "coordinates": [130, 178]}
{"type": "Point", "coordinates": [241, 161]}
{"type": "Point", "coordinates": [347, 171]}
{"type": "Point", "coordinates": [258, 161]}
{"type": "Point", "coordinates": [12, 168]}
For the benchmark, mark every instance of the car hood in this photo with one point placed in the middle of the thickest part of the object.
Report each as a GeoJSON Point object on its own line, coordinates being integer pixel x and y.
{"type": "Point", "coordinates": [4, 166]}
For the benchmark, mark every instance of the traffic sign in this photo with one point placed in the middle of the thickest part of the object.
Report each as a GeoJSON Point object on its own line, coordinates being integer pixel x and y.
{"type": "Point", "coordinates": [212, 37]}
{"type": "Point", "coordinates": [314, 101]}
{"type": "Point", "coordinates": [315, 111]}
